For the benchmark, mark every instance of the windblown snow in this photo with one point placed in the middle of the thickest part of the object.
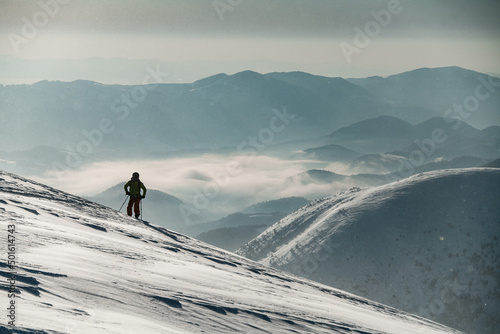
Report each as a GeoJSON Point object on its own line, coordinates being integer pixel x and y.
{"type": "Point", "coordinates": [84, 268]}
{"type": "Point", "coordinates": [428, 245]}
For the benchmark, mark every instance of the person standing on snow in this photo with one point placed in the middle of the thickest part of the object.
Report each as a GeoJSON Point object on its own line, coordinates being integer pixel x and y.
{"type": "Point", "coordinates": [134, 192]}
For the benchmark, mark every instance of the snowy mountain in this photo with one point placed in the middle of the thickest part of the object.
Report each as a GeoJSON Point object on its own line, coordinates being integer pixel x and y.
{"type": "Point", "coordinates": [81, 267]}
{"type": "Point", "coordinates": [402, 166]}
{"type": "Point", "coordinates": [427, 244]}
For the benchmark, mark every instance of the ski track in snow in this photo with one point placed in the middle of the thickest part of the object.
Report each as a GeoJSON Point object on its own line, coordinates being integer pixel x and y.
{"type": "Point", "coordinates": [427, 244]}
{"type": "Point", "coordinates": [85, 268]}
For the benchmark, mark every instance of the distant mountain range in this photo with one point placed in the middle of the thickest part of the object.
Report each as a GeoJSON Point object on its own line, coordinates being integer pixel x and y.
{"type": "Point", "coordinates": [434, 138]}
{"type": "Point", "coordinates": [439, 90]}
{"type": "Point", "coordinates": [379, 145]}
{"type": "Point", "coordinates": [217, 111]}
{"type": "Point", "coordinates": [235, 230]}
{"type": "Point", "coordinates": [343, 133]}
{"type": "Point", "coordinates": [105, 121]}
{"type": "Point", "coordinates": [432, 237]}
{"type": "Point", "coordinates": [330, 152]}
{"type": "Point", "coordinates": [393, 140]}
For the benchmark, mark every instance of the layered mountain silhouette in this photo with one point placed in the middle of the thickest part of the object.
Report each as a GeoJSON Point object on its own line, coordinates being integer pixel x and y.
{"type": "Point", "coordinates": [235, 230]}
{"type": "Point", "coordinates": [438, 90]}
{"type": "Point", "coordinates": [435, 138]}
{"type": "Point", "coordinates": [224, 110]}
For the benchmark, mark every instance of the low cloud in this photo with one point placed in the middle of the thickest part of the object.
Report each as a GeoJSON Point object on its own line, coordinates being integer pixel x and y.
{"type": "Point", "coordinates": [226, 183]}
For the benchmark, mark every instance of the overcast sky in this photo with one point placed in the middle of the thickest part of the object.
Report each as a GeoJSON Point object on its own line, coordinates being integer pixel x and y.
{"type": "Point", "coordinates": [114, 41]}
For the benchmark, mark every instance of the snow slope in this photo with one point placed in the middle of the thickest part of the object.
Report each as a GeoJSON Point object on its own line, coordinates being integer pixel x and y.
{"type": "Point", "coordinates": [427, 245]}
{"type": "Point", "coordinates": [84, 268]}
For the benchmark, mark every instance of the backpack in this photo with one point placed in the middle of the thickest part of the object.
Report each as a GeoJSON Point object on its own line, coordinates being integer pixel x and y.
{"type": "Point", "coordinates": [135, 187]}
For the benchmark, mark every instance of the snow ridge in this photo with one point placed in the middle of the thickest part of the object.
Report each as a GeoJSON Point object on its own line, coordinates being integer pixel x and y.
{"type": "Point", "coordinates": [85, 268]}
{"type": "Point", "coordinates": [427, 245]}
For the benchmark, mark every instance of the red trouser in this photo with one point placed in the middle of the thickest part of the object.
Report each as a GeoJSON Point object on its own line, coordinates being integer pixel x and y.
{"type": "Point", "coordinates": [134, 201]}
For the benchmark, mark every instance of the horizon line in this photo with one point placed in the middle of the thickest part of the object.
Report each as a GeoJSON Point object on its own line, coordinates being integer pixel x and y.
{"type": "Point", "coordinates": [253, 71]}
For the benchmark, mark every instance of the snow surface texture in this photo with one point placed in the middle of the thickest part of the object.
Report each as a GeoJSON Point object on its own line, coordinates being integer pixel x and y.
{"type": "Point", "coordinates": [84, 268]}
{"type": "Point", "coordinates": [427, 245]}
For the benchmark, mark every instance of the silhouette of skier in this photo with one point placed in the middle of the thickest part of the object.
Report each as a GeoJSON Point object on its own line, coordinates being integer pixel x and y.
{"type": "Point", "coordinates": [135, 185]}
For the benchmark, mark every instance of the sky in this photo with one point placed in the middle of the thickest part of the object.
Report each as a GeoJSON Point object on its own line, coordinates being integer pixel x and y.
{"type": "Point", "coordinates": [114, 41]}
{"type": "Point", "coordinates": [120, 41]}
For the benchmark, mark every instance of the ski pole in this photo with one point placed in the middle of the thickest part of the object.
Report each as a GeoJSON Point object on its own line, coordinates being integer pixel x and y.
{"type": "Point", "coordinates": [141, 207]}
{"type": "Point", "coordinates": [126, 196]}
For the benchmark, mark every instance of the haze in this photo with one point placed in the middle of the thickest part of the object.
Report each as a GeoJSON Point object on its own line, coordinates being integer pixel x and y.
{"type": "Point", "coordinates": [113, 41]}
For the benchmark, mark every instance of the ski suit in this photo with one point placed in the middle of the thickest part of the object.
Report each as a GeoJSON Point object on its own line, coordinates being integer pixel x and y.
{"type": "Point", "coordinates": [135, 186]}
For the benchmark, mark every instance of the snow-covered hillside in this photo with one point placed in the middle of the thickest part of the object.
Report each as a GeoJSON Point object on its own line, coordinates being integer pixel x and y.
{"type": "Point", "coordinates": [84, 268]}
{"type": "Point", "coordinates": [427, 244]}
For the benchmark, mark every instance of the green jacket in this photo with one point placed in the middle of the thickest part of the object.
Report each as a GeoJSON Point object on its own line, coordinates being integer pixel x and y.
{"type": "Point", "coordinates": [135, 188]}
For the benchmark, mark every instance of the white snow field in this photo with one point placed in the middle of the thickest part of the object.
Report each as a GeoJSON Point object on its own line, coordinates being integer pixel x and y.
{"type": "Point", "coordinates": [428, 245]}
{"type": "Point", "coordinates": [84, 268]}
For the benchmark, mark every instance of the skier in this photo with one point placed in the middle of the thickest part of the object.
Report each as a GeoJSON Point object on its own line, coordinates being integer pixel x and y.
{"type": "Point", "coordinates": [135, 194]}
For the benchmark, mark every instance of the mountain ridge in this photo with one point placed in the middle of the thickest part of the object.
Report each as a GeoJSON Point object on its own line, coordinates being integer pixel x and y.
{"type": "Point", "coordinates": [322, 104]}
{"type": "Point", "coordinates": [84, 268]}
{"type": "Point", "coordinates": [439, 89]}
{"type": "Point", "coordinates": [433, 235]}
